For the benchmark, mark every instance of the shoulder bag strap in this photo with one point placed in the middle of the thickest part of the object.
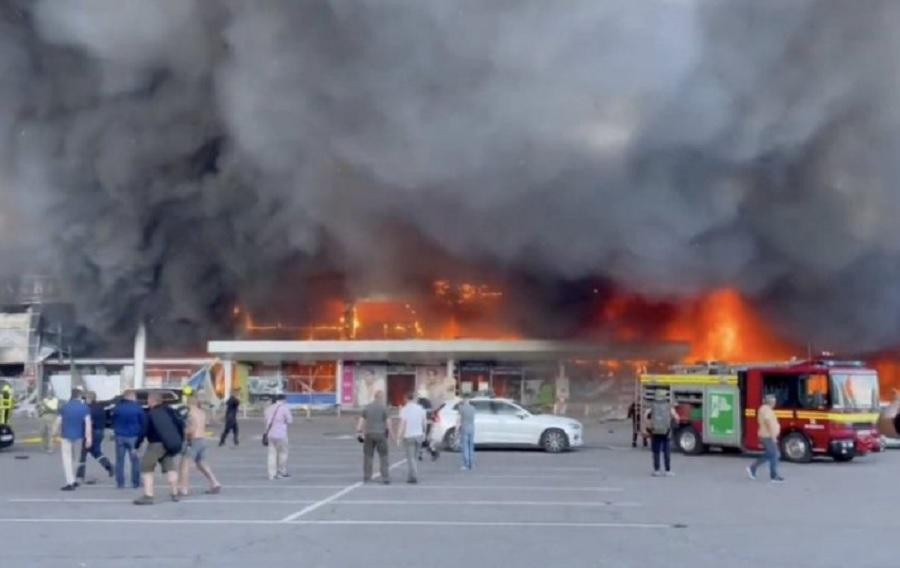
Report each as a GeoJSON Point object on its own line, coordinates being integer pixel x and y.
{"type": "Point", "coordinates": [274, 415]}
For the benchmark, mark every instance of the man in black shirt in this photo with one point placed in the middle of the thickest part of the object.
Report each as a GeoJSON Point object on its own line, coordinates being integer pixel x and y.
{"type": "Point", "coordinates": [98, 425]}
{"type": "Point", "coordinates": [231, 425]}
{"type": "Point", "coordinates": [164, 431]}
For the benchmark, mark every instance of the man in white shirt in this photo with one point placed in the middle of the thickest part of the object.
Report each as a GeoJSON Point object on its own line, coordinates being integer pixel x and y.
{"type": "Point", "coordinates": [411, 434]}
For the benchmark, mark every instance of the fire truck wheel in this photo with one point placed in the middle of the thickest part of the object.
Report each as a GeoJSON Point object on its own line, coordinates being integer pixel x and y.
{"type": "Point", "coordinates": [795, 448]}
{"type": "Point", "coordinates": [689, 442]}
{"type": "Point", "coordinates": [554, 441]}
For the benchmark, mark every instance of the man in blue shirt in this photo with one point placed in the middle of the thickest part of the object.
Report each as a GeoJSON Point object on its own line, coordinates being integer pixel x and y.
{"type": "Point", "coordinates": [74, 425]}
{"type": "Point", "coordinates": [128, 426]}
{"type": "Point", "coordinates": [465, 427]}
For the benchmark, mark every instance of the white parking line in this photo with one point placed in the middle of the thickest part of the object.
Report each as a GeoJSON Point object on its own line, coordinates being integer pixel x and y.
{"type": "Point", "coordinates": [540, 524]}
{"type": "Point", "coordinates": [306, 510]}
{"type": "Point", "coordinates": [211, 501]}
{"type": "Point", "coordinates": [362, 502]}
{"type": "Point", "coordinates": [625, 504]}
{"type": "Point", "coordinates": [463, 488]}
{"type": "Point", "coordinates": [226, 486]}
{"type": "Point", "coordinates": [485, 524]}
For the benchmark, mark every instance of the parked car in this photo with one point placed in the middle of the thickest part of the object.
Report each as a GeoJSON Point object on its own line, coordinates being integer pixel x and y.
{"type": "Point", "coordinates": [171, 397]}
{"type": "Point", "coordinates": [7, 437]}
{"type": "Point", "coordinates": [502, 422]}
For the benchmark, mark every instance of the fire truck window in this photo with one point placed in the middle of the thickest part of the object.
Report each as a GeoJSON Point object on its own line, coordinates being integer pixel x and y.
{"type": "Point", "coordinates": [784, 387]}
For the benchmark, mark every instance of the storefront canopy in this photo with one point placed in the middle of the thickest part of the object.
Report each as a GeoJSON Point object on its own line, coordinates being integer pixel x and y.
{"type": "Point", "coordinates": [430, 351]}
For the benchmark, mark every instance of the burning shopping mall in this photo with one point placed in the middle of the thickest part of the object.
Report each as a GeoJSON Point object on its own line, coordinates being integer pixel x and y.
{"type": "Point", "coordinates": [585, 376]}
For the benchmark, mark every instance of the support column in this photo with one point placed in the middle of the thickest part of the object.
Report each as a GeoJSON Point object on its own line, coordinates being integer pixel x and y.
{"type": "Point", "coordinates": [339, 385]}
{"type": "Point", "coordinates": [140, 355]}
{"type": "Point", "coordinates": [451, 366]}
{"type": "Point", "coordinates": [228, 370]}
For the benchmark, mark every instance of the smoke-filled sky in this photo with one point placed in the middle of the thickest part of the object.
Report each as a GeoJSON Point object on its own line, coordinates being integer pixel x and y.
{"type": "Point", "coordinates": [169, 158]}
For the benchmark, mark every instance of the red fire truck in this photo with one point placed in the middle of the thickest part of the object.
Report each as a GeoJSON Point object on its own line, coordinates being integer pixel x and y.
{"type": "Point", "coordinates": [825, 407]}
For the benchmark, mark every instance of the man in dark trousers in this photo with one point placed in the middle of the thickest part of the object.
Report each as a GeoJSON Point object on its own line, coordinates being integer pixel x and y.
{"type": "Point", "coordinates": [98, 427]}
{"type": "Point", "coordinates": [636, 425]}
{"type": "Point", "coordinates": [660, 418]}
{"type": "Point", "coordinates": [374, 432]}
{"type": "Point", "coordinates": [128, 426]}
{"type": "Point", "coordinates": [165, 439]}
{"type": "Point", "coordinates": [231, 425]}
{"type": "Point", "coordinates": [429, 412]}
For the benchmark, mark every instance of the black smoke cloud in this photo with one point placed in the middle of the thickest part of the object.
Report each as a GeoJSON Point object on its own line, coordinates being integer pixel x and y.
{"type": "Point", "coordinates": [169, 158]}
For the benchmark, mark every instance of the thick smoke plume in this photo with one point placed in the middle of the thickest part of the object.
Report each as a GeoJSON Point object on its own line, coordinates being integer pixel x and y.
{"type": "Point", "coordinates": [168, 158]}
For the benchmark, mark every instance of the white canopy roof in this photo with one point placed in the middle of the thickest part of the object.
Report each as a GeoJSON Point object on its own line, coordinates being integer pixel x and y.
{"type": "Point", "coordinates": [423, 351]}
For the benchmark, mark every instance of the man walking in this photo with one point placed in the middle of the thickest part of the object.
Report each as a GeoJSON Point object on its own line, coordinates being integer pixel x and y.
{"type": "Point", "coordinates": [425, 403]}
{"type": "Point", "coordinates": [128, 427]}
{"type": "Point", "coordinates": [74, 426]}
{"type": "Point", "coordinates": [48, 411]}
{"type": "Point", "coordinates": [465, 428]}
{"type": "Point", "coordinates": [195, 449]}
{"type": "Point", "coordinates": [98, 425]}
{"type": "Point", "coordinates": [637, 428]}
{"type": "Point", "coordinates": [660, 419]}
{"type": "Point", "coordinates": [165, 437]}
{"type": "Point", "coordinates": [411, 434]}
{"type": "Point", "coordinates": [231, 424]}
{"type": "Point", "coordinates": [769, 430]}
{"type": "Point", "coordinates": [374, 431]}
{"type": "Point", "coordinates": [278, 417]}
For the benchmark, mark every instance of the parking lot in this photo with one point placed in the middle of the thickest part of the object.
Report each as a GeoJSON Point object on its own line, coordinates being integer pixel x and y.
{"type": "Point", "coordinates": [594, 507]}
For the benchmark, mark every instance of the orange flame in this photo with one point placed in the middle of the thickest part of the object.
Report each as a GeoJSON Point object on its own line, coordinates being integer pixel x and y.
{"type": "Point", "coordinates": [722, 326]}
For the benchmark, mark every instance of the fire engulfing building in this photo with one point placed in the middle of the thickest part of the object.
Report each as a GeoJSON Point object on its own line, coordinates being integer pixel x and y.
{"type": "Point", "coordinates": [589, 378]}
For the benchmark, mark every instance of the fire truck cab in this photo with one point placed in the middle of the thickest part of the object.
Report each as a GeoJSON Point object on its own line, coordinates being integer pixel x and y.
{"type": "Point", "coordinates": [824, 407]}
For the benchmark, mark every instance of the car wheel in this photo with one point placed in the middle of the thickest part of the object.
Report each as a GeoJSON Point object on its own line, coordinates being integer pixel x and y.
{"type": "Point", "coordinates": [688, 441]}
{"type": "Point", "coordinates": [795, 448]}
{"type": "Point", "coordinates": [7, 437]}
{"type": "Point", "coordinates": [554, 441]}
{"type": "Point", "coordinates": [451, 440]}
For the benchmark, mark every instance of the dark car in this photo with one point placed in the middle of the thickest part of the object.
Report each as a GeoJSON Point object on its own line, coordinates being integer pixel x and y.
{"type": "Point", "coordinates": [171, 397]}
{"type": "Point", "coordinates": [7, 437]}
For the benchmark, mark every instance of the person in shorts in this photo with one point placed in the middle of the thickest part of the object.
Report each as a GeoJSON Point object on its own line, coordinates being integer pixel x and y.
{"type": "Point", "coordinates": [195, 450]}
{"type": "Point", "coordinates": [164, 432]}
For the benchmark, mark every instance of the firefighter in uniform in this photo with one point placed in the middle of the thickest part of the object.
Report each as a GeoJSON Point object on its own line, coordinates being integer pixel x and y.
{"type": "Point", "coordinates": [6, 408]}
{"type": "Point", "coordinates": [6, 402]}
{"type": "Point", "coordinates": [48, 410]}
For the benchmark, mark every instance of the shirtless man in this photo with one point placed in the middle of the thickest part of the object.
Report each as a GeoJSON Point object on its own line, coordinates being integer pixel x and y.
{"type": "Point", "coordinates": [195, 449]}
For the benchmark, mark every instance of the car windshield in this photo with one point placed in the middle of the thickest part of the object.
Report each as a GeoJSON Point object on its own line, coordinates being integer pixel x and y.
{"type": "Point", "coordinates": [854, 390]}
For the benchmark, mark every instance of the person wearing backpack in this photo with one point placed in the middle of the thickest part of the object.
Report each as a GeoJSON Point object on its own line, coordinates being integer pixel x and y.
{"type": "Point", "coordinates": [659, 420]}
{"type": "Point", "coordinates": [164, 431]}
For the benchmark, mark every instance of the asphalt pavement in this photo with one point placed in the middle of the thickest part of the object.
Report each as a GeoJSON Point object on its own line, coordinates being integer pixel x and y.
{"type": "Point", "coordinates": [594, 507]}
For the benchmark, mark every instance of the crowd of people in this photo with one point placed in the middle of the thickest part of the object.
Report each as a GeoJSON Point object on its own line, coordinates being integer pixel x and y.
{"type": "Point", "coordinates": [160, 437]}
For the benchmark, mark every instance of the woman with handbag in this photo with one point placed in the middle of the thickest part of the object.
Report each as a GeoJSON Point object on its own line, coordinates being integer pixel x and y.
{"type": "Point", "coordinates": [278, 417]}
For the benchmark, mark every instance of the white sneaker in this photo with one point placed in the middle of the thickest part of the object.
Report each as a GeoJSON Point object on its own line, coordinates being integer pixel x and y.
{"type": "Point", "coordinates": [750, 473]}
{"type": "Point", "coordinates": [670, 474]}
{"type": "Point", "coordinates": [656, 474]}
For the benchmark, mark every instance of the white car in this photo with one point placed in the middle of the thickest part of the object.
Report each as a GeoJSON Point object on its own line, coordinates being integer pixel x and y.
{"type": "Point", "coordinates": [502, 422]}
